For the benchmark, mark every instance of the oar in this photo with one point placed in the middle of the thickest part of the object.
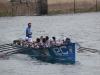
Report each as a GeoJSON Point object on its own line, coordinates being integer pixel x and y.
{"type": "Point", "coordinates": [11, 47]}
{"type": "Point", "coordinates": [10, 53]}
{"type": "Point", "coordinates": [7, 49]}
{"type": "Point", "coordinates": [79, 46]}
{"type": "Point", "coordinates": [22, 49]}
{"type": "Point", "coordinates": [5, 45]}
{"type": "Point", "coordinates": [15, 51]}
{"type": "Point", "coordinates": [82, 49]}
{"type": "Point", "coordinates": [16, 48]}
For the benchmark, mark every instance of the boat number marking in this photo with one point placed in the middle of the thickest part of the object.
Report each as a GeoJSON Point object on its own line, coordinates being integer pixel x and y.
{"type": "Point", "coordinates": [59, 51]}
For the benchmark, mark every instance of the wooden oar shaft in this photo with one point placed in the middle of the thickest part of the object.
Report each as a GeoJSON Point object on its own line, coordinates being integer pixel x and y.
{"type": "Point", "coordinates": [83, 48]}
{"type": "Point", "coordinates": [13, 52]}
{"type": "Point", "coordinates": [6, 47]}
{"type": "Point", "coordinates": [8, 50]}
{"type": "Point", "coordinates": [12, 47]}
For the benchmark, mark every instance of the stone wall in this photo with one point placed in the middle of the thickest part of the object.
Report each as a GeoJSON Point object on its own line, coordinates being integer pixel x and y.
{"type": "Point", "coordinates": [4, 0]}
{"type": "Point", "coordinates": [13, 8]}
{"type": "Point", "coordinates": [59, 1]}
{"type": "Point", "coordinates": [5, 9]}
{"type": "Point", "coordinates": [38, 7]}
{"type": "Point", "coordinates": [26, 9]}
{"type": "Point", "coordinates": [72, 6]}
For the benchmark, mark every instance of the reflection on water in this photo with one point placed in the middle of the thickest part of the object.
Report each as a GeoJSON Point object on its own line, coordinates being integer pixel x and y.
{"type": "Point", "coordinates": [54, 61]}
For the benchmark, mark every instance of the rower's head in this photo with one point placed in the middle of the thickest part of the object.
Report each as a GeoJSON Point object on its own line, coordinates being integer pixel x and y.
{"type": "Point", "coordinates": [47, 38]}
{"type": "Point", "coordinates": [41, 37]}
{"type": "Point", "coordinates": [53, 38]}
{"type": "Point", "coordinates": [29, 25]}
{"type": "Point", "coordinates": [68, 40]}
{"type": "Point", "coordinates": [38, 40]}
{"type": "Point", "coordinates": [43, 40]}
{"type": "Point", "coordinates": [64, 39]}
{"type": "Point", "coordinates": [30, 40]}
{"type": "Point", "coordinates": [26, 38]}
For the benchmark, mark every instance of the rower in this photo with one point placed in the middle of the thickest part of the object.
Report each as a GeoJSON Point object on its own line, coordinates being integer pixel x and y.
{"type": "Point", "coordinates": [67, 41]}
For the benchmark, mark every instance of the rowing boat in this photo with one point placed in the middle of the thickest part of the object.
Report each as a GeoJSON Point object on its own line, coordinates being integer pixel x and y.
{"type": "Point", "coordinates": [64, 52]}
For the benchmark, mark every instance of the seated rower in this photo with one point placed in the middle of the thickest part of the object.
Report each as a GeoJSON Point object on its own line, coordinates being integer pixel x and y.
{"type": "Point", "coordinates": [64, 39]}
{"type": "Point", "coordinates": [41, 38]}
{"type": "Point", "coordinates": [17, 42]}
{"type": "Point", "coordinates": [30, 42]}
{"type": "Point", "coordinates": [52, 41]}
{"type": "Point", "coordinates": [44, 44]}
{"type": "Point", "coordinates": [37, 43]}
{"type": "Point", "coordinates": [58, 43]}
{"type": "Point", "coordinates": [67, 41]}
{"type": "Point", "coordinates": [47, 41]}
{"type": "Point", "coordinates": [25, 42]}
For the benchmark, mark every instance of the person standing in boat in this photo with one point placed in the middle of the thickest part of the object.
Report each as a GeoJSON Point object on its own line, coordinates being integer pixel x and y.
{"type": "Point", "coordinates": [29, 31]}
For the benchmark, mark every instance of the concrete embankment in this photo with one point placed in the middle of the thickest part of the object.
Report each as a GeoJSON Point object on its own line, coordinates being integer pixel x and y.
{"type": "Point", "coordinates": [20, 9]}
{"type": "Point", "coordinates": [72, 6]}
{"type": "Point", "coordinates": [41, 7]}
{"type": "Point", "coordinates": [5, 9]}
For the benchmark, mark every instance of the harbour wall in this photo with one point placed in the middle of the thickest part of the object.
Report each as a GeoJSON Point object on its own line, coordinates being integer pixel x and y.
{"type": "Point", "coordinates": [72, 6]}
{"type": "Point", "coordinates": [19, 9]}
{"type": "Point", "coordinates": [41, 7]}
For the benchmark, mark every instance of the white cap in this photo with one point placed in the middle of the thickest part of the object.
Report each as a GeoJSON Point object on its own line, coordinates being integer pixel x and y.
{"type": "Point", "coordinates": [51, 39]}
{"type": "Point", "coordinates": [57, 37]}
{"type": "Point", "coordinates": [64, 38]}
{"type": "Point", "coordinates": [57, 40]}
{"type": "Point", "coordinates": [26, 38]}
{"type": "Point", "coordinates": [30, 40]}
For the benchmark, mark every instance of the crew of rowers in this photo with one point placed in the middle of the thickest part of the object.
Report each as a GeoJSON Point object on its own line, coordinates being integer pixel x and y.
{"type": "Point", "coordinates": [42, 42]}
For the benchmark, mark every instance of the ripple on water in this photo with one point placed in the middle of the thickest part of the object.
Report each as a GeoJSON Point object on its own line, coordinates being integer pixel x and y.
{"type": "Point", "coordinates": [81, 28]}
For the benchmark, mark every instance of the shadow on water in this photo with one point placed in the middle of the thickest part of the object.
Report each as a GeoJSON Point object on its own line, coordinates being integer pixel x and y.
{"type": "Point", "coordinates": [53, 61]}
{"type": "Point", "coordinates": [41, 59]}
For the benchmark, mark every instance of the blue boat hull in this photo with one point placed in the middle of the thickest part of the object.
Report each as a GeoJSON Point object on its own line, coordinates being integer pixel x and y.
{"type": "Point", "coordinates": [62, 53]}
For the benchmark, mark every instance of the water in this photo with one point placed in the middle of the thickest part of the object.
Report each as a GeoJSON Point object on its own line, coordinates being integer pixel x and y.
{"type": "Point", "coordinates": [81, 28]}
